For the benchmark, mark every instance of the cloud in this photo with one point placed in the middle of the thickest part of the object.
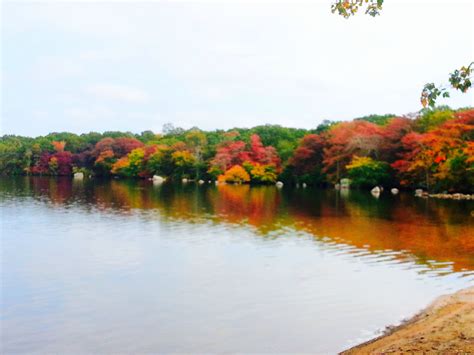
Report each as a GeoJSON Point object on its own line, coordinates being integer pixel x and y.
{"type": "Point", "coordinates": [118, 93]}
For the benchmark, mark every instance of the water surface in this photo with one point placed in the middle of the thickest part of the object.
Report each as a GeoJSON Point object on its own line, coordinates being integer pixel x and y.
{"type": "Point", "coordinates": [127, 266]}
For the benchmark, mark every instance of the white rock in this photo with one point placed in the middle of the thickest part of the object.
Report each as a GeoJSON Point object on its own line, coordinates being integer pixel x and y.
{"type": "Point", "coordinates": [418, 192]}
{"type": "Point", "coordinates": [375, 190]}
{"type": "Point", "coordinates": [158, 179]}
{"type": "Point", "coordinates": [279, 184]}
{"type": "Point", "coordinates": [79, 176]}
{"type": "Point", "coordinates": [200, 182]}
{"type": "Point", "coordinates": [304, 185]}
{"type": "Point", "coordinates": [184, 181]}
{"type": "Point", "coordinates": [394, 191]}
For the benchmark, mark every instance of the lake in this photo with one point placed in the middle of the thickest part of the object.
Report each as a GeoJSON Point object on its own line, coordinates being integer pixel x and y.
{"type": "Point", "coordinates": [128, 266]}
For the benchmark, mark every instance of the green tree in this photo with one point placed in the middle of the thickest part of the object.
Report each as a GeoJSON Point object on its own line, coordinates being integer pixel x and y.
{"type": "Point", "coordinates": [365, 172]}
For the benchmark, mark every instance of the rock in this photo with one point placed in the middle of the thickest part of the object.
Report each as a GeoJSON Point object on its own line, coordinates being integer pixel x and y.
{"type": "Point", "coordinates": [337, 186]}
{"type": "Point", "coordinates": [209, 181]}
{"type": "Point", "coordinates": [184, 181]}
{"type": "Point", "coordinates": [200, 182]}
{"type": "Point", "coordinates": [304, 185]}
{"type": "Point", "coordinates": [418, 192]}
{"type": "Point", "coordinates": [457, 196]}
{"type": "Point", "coordinates": [394, 191]}
{"type": "Point", "coordinates": [158, 179]}
{"type": "Point", "coordinates": [279, 184]}
{"type": "Point", "coordinates": [375, 190]}
{"type": "Point", "coordinates": [79, 176]}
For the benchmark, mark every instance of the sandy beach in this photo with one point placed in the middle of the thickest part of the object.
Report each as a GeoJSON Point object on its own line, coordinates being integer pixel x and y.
{"type": "Point", "coordinates": [446, 326]}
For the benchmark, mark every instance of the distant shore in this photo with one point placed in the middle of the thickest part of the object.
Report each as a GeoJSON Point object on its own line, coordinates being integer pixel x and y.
{"type": "Point", "coordinates": [446, 326]}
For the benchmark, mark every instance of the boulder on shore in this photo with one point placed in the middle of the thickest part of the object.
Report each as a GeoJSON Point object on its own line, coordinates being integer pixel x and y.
{"type": "Point", "coordinates": [79, 176]}
{"type": "Point", "coordinates": [394, 191]}
{"type": "Point", "coordinates": [279, 184]}
{"type": "Point", "coordinates": [158, 179]}
{"type": "Point", "coordinates": [418, 192]}
{"type": "Point", "coordinates": [375, 190]}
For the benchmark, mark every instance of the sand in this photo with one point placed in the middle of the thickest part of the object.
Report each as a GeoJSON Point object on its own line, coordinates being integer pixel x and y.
{"type": "Point", "coordinates": [445, 327]}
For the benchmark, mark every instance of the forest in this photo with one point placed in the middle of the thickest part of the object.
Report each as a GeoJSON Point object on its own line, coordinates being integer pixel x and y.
{"type": "Point", "coordinates": [433, 150]}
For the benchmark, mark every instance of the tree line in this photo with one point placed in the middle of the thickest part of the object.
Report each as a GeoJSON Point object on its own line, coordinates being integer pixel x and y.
{"type": "Point", "coordinates": [433, 150]}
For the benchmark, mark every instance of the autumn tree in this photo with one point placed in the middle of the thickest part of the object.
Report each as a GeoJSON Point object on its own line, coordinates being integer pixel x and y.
{"type": "Point", "coordinates": [441, 157]}
{"type": "Point", "coordinates": [59, 146]}
{"type": "Point", "coordinates": [236, 175]}
{"type": "Point", "coordinates": [306, 162]}
{"type": "Point", "coordinates": [347, 139]}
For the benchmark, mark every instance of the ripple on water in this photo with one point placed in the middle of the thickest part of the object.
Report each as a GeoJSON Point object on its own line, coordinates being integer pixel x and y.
{"type": "Point", "coordinates": [108, 267]}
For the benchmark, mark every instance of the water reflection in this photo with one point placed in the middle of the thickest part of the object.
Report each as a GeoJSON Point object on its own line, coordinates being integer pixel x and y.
{"type": "Point", "coordinates": [127, 266]}
{"type": "Point", "coordinates": [435, 234]}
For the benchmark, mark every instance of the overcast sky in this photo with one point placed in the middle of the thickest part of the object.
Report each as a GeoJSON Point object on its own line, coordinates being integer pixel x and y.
{"type": "Point", "coordinates": [97, 66]}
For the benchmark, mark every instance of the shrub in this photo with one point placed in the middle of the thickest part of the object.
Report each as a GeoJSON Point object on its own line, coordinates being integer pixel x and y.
{"type": "Point", "coordinates": [236, 175]}
{"type": "Point", "coordinates": [366, 172]}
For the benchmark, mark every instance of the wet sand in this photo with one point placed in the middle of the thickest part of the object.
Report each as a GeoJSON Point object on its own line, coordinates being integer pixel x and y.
{"type": "Point", "coordinates": [446, 326]}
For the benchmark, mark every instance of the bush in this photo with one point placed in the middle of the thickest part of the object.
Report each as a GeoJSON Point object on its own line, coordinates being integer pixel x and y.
{"type": "Point", "coordinates": [236, 175]}
{"type": "Point", "coordinates": [366, 173]}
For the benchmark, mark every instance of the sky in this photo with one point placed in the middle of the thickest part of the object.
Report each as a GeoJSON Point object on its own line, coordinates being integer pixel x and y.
{"type": "Point", "coordinates": [132, 66]}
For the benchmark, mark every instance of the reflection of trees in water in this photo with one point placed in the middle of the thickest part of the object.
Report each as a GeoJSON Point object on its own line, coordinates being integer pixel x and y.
{"type": "Point", "coordinates": [256, 206]}
{"type": "Point", "coordinates": [426, 229]}
{"type": "Point", "coordinates": [429, 229]}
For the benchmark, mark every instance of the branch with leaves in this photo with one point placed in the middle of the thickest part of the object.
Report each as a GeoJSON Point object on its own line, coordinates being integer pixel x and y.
{"type": "Point", "coordinates": [348, 8]}
{"type": "Point", "coordinates": [460, 79]}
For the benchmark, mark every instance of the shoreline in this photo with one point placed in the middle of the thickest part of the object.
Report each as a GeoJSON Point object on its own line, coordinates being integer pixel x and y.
{"type": "Point", "coordinates": [446, 325]}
